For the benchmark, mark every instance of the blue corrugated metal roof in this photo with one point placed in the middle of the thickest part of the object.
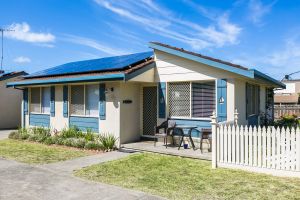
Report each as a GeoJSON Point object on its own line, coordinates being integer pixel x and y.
{"type": "Point", "coordinates": [102, 64]}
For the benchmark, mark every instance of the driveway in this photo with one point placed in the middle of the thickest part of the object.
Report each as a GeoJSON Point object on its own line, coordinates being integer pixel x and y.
{"type": "Point", "coordinates": [26, 182]}
{"type": "Point", "coordinates": [4, 134]}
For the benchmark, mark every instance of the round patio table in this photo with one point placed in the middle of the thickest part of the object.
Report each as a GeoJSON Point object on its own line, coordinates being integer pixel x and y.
{"type": "Point", "coordinates": [189, 134]}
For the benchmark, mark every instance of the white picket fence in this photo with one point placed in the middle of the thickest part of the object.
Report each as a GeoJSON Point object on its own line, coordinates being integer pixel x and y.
{"type": "Point", "coordinates": [266, 149]}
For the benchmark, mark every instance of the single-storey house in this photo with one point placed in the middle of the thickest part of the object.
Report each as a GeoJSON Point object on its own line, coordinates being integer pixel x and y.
{"type": "Point", "coordinates": [128, 95]}
{"type": "Point", "coordinates": [10, 100]}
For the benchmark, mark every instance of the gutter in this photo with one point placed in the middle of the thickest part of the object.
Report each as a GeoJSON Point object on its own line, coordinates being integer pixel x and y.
{"type": "Point", "coordinates": [105, 77]}
{"type": "Point", "coordinates": [268, 78]}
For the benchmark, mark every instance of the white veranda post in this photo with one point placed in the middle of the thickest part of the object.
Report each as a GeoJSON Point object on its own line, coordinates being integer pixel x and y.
{"type": "Point", "coordinates": [214, 139]}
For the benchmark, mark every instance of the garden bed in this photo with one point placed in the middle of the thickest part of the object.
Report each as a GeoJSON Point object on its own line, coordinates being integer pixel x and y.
{"type": "Point", "coordinates": [71, 137]}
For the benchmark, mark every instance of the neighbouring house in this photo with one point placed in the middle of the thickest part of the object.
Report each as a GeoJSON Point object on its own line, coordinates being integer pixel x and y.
{"type": "Point", "coordinates": [287, 101]}
{"type": "Point", "coordinates": [10, 101]}
{"type": "Point", "coordinates": [290, 95]}
{"type": "Point", "coordinates": [128, 95]}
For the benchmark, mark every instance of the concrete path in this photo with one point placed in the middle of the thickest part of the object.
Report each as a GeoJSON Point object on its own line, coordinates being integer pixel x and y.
{"type": "Point", "coordinates": [25, 182]}
{"type": "Point", "coordinates": [4, 134]}
{"type": "Point", "coordinates": [67, 167]}
{"type": "Point", "coordinates": [55, 181]}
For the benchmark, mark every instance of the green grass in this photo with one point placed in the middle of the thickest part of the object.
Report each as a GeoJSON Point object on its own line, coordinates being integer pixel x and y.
{"type": "Point", "coordinates": [34, 153]}
{"type": "Point", "coordinates": [184, 178]}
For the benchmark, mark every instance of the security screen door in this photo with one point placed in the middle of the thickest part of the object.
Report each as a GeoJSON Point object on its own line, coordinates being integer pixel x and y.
{"type": "Point", "coordinates": [149, 110]}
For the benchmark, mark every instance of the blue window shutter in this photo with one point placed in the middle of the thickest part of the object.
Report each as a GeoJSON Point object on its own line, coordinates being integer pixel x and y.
{"type": "Point", "coordinates": [162, 100]}
{"type": "Point", "coordinates": [52, 101]}
{"type": "Point", "coordinates": [222, 99]}
{"type": "Point", "coordinates": [65, 99]}
{"type": "Point", "coordinates": [102, 103]}
{"type": "Point", "coordinates": [25, 99]}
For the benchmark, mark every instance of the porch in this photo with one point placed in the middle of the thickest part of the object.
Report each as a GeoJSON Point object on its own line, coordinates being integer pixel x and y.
{"type": "Point", "coordinates": [148, 146]}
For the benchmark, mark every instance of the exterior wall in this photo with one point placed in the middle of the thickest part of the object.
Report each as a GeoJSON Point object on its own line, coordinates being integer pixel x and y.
{"type": "Point", "coordinates": [10, 105]}
{"type": "Point", "coordinates": [240, 100]}
{"type": "Point", "coordinates": [173, 68]}
{"type": "Point", "coordinates": [111, 124]}
{"type": "Point", "coordinates": [230, 99]}
{"type": "Point", "coordinates": [130, 112]}
{"type": "Point", "coordinates": [59, 122]}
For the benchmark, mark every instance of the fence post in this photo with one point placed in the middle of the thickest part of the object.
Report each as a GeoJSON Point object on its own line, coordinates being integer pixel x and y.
{"type": "Point", "coordinates": [236, 117]}
{"type": "Point", "coordinates": [214, 139]}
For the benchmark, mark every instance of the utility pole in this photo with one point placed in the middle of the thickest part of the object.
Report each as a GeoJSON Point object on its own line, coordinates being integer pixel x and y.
{"type": "Point", "coordinates": [2, 30]}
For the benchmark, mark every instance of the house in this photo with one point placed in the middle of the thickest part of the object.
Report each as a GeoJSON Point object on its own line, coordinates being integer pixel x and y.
{"type": "Point", "coordinates": [128, 95]}
{"type": "Point", "coordinates": [10, 101]}
{"type": "Point", "coordinates": [290, 95]}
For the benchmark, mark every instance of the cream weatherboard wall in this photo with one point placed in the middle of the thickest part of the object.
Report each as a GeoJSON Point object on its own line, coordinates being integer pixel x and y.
{"type": "Point", "coordinates": [130, 112]}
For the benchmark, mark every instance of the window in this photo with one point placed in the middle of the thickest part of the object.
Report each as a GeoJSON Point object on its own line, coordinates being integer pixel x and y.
{"type": "Point", "coordinates": [252, 99]}
{"type": "Point", "coordinates": [84, 100]}
{"type": "Point", "coordinates": [40, 100]}
{"type": "Point", "coordinates": [179, 99]}
{"type": "Point", "coordinates": [193, 100]}
{"type": "Point", "coordinates": [203, 99]}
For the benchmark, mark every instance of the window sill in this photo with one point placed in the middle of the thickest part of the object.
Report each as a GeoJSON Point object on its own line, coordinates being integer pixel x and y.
{"type": "Point", "coordinates": [37, 113]}
{"type": "Point", "coordinates": [87, 116]}
{"type": "Point", "coordinates": [191, 118]}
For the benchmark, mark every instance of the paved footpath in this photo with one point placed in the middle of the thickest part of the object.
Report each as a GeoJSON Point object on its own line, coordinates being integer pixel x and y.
{"type": "Point", "coordinates": [19, 181]}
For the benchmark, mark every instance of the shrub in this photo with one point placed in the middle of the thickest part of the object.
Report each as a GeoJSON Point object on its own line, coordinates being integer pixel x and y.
{"type": "Point", "coordinates": [79, 143]}
{"type": "Point", "coordinates": [33, 138]}
{"type": "Point", "coordinates": [49, 141]}
{"type": "Point", "coordinates": [14, 135]}
{"type": "Point", "coordinates": [69, 142]}
{"type": "Point", "coordinates": [41, 131]}
{"type": "Point", "coordinates": [21, 134]}
{"type": "Point", "coordinates": [108, 141]}
{"type": "Point", "coordinates": [89, 136]}
{"type": "Point", "coordinates": [72, 132]}
{"type": "Point", "coordinates": [93, 145]}
{"type": "Point", "coordinates": [287, 121]}
{"type": "Point", "coordinates": [58, 140]}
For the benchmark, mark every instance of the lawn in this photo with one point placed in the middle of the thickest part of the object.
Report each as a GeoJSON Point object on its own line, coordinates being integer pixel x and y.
{"type": "Point", "coordinates": [183, 178]}
{"type": "Point", "coordinates": [34, 153]}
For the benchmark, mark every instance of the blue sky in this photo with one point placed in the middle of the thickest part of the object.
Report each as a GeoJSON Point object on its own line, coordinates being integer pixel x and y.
{"type": "Point", "coordinates": [257, 34]}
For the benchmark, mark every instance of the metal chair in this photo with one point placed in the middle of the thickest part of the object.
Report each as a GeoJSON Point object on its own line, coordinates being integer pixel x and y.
{"type": "Point", "coordinates": [206, 132]}
{"type": "Point", "coordinates": [168, 127]}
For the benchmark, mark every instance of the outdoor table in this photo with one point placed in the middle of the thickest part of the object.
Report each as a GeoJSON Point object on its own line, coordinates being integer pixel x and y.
{"type": "Point", "coordinates": [189, 134]}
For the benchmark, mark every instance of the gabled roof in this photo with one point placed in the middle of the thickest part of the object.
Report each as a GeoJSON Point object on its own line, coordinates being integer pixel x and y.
{"type": "Point", "coordinates": [217, 63]}
{"type": "Point", "coordinates": [9, 75]}
{"type": "Point", "coordinates": [106, 64]}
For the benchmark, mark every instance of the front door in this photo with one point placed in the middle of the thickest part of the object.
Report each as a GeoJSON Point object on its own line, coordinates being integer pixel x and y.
{"type": "Point", "coordinates": [149, 110]}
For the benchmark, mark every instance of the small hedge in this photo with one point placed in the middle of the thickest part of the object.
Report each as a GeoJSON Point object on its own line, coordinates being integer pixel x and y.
{"type": "Point", "coordinates": [72, 137]}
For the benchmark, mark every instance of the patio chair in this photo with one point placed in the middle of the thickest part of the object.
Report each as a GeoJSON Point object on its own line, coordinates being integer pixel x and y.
{"type": "Point", "coordinates": [206, 132]}
{"type": "Point", "coordinates": [167, 127]}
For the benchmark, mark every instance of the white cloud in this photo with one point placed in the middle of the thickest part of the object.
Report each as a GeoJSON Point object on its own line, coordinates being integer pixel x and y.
{"type": "Point", "coordinates": [288, 56]}
{"type": "Point", "coordinates": [22, 32]}
{"type": "Point", "coordinates": [94, 44]}
{"type": "Point", "coordinates": [257, 10]}
{"type": "Point", "coordinates": [164, 22]}
{"type": "Point", "coordinates": [22, 59]}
